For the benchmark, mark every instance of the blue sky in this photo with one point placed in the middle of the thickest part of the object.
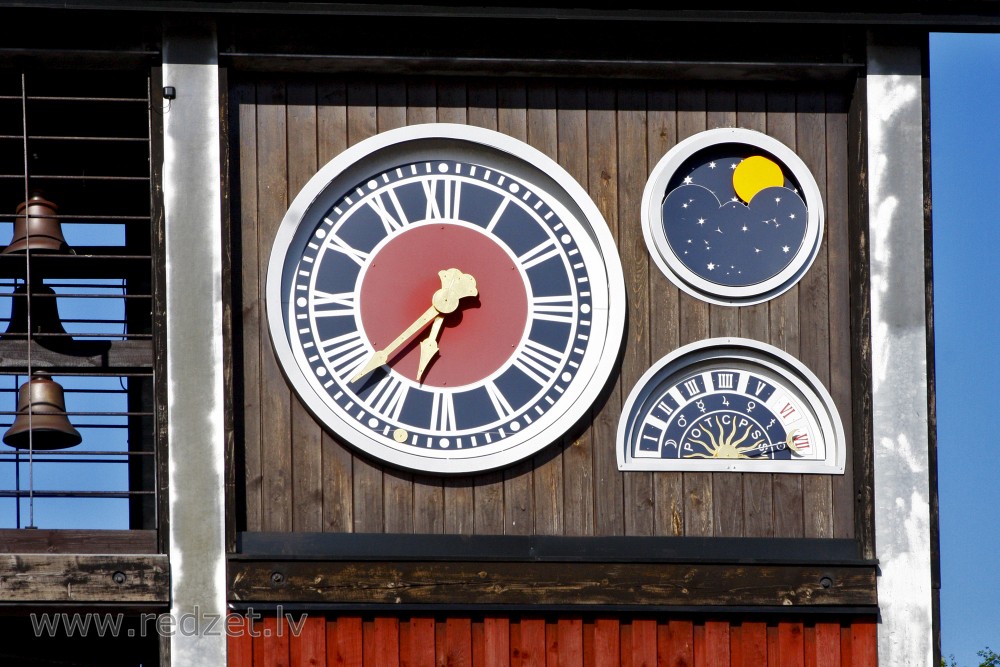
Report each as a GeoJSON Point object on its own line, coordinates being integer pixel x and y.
{"type": "Point", "coordinates": [965, 141]}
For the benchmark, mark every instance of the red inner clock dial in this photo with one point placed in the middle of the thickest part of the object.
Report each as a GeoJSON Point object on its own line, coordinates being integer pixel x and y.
{"type": "Point", "coordinates": [476, 339]}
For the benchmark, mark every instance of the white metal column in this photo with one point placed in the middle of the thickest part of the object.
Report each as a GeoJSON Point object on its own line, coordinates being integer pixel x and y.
{"type": "Point", "coordinates": [193, 220]}
{"type": "Point", "coordinates": [899, 355]}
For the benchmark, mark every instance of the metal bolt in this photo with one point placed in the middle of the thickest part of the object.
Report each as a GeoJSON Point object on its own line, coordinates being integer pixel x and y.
{"type": "Point", "coordinates": [277, 578]}
{"type": "Point", "coordinates": [118, 577]}
{"type": "Point", "coordinates": [826, 582]}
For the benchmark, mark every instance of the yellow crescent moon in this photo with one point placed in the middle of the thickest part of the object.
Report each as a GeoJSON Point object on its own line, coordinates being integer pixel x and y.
{"type": "Point", "coordinates": [754, 174]}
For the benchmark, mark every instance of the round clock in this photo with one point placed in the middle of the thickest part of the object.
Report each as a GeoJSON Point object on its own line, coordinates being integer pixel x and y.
{"type": "Point", "coordinates": [445, 298]}
{"type": "Point", "coordinates": [730, 404]}
{"type": "Point", "coordinates": [732, 216]}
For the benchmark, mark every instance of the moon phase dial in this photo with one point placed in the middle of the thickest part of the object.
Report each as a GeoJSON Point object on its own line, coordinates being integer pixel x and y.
{"type": "Point", "coordinates": [732, 216]}
{"type": "Point", "coordinates": [730, 404]}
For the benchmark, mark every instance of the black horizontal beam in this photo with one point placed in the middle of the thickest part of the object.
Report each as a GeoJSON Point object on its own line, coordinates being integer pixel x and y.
{"type": "Point", "coordinates": [543, 548]}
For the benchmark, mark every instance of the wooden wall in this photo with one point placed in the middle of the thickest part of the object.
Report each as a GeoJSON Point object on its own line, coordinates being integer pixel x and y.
{"type": "Point", "coordinates": [425, 641]}
{"type": "Point", "coordinates": [294, 476]}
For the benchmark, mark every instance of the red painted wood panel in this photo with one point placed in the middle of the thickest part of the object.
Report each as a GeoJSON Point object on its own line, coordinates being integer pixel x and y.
{"type": "Point", "coordinates": [308, 646]}
{"type": "Point", "coordinates": [500, 640]}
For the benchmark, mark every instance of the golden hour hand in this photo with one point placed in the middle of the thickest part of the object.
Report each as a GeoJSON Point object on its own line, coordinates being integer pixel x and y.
{"type": "Point", "coordinates": [455, 286]}
{"type": "Point", "coordinates": [429, 346]}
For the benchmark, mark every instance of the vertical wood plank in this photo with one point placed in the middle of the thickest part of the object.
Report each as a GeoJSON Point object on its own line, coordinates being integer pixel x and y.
{"type": "Point", "coordinates": [458, 642]}
{"type": "Point", "coordinates": [700, 652]}
{"type": "Point", "coordinates": [384, 650]}
{"type": "Point", "coordinates": [239, 646]}
{"type": "Point", "coordinates": [309, 646]}
{"type": "Point", "coordinates": [602, 151]}
{"type": "Point", "coordinates": [758, 488]}
{"type": "Point", "coordinates": [570, 642]}
{"type": "Point", "coordinates": [606, 642]}
{"type": "Point", "coordinates": [677, 645]}
{"type": "Point", "coordinates": [694, 326]}
{"type": "Point", "coordinates": [397, 485]}
{"type": "Point", "coordinates": [814, 307]}
{"type": "Point", "coordinates": [838, 258]}
{"type": "Point", "coordinates": [518, 509]}
{"type": "Point", "coordinates": [478, 645]}
{"type": "Point", "coordinates": [809, 646]}
{"type": "Point", "coordinates": [827, 644]}
{"type": "Point", "coordinates": [459, 495]}
{"type": "Point", "coordinates": [644, 653]}
{"type": "Point", "coordinates": [784, 330]}
{"type": "Point", "coordinates": [275, 398]}
{"type": "Point", "coordinates": [421, 639]}
{"type": "Point", "coordinates": [625, 643]}
{"type": "Point", "coordinates": [664, 298]}
{"type": "Point", "coordinates": [276, 652]}
{"type": "Point", "coordinates": [338, 459]}
{"type": "Point", "coordinates": [496, 641]}
{"type": "Point", "coordinates": [345, 648]}
{"type": "Point", "coordinates": [736, 646]}
{"type": "Point", "coordinates": [717, 644]}
{"type": "Point", "coordinates": [632, 173]}
{"type": "Point", "coordinates": [306, 435]}
{"type": "Point", "coordinates": [578, 458]}
{"type": "Point", "coordinates": [532, 647]}
{"type": "Point", "coordinates": [864, 644]}
{"type": "Point", "coordinates": [791, 648]}
{"type": "Point", "coordinates": [488, 488]}
{"type": "Point", "coordinates": [754, 644]}
{"type": "Point", "coordinates": [244, 97]}
{"type": "Point", "coordinates": [846, 646]}
{"type": "Point", "coordinates": [552, 656]}
{"type": "Point", "coordinates": [547, 466]}
{"type": "Point", "coordinates": [362, 100]}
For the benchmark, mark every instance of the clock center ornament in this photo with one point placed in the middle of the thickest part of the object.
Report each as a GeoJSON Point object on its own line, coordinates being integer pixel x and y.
{"type": "Point", "coordinates": [445, 298]}
{"type": "Point", "coordinates": [732, 216]}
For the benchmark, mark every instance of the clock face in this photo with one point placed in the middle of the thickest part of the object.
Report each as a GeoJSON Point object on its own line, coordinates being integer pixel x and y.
{"type": "Point", "coordinates": [445, 298]}
{"type": "Point", "coordinates": [730, 404]}
{"type": "Point", "coordinates": [732, 216]}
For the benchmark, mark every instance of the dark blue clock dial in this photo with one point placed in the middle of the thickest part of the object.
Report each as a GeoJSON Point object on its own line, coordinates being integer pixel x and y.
{"type": "Point", "coordinates": [378, 340]}
{"type": "Point", "coordinates": [723, 239]}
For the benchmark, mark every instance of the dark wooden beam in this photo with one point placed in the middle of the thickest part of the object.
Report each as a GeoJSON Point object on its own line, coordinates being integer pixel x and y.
{"type": "Point", "coordinates": [32, 541]}
{"type": "Point", "coordinates": [63, 353]}
{"type": "Point", "coordinates": [584, 585]}
{"type": "Point", "coordinates": [72, 578]}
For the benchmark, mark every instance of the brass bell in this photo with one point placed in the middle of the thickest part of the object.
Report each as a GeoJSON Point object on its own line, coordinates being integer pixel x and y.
{"type": "Point", "coordinates": [36, 228]}
{"type": "Point", "coordinates": [49, 426]}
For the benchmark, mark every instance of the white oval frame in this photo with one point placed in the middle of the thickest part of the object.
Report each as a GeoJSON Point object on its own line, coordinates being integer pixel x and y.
{"type": "Point", "coordinates": [460, 142]}
{"type": "Point", "coordinates": [746, 352]}
{"type": "Point", "coordinates": [651, 215]}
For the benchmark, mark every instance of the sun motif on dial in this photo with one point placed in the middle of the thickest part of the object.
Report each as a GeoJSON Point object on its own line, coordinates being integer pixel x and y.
{"type": "Point", "coordinates": [733, 236]}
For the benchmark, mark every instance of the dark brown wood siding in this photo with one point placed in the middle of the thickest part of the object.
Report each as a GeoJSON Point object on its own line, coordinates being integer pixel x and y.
{"type": "Point", "coordinates": [295, 476]}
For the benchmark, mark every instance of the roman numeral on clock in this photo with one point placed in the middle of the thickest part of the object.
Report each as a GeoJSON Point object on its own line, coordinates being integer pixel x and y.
{"type": "Point", "coordinates": [328, 304]}
{"type": "Point", "coordinates": [451, 196]}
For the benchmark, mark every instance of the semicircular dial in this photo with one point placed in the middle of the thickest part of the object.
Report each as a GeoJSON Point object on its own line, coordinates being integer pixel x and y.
{"type": "Point", "coordinates": [730, 404]}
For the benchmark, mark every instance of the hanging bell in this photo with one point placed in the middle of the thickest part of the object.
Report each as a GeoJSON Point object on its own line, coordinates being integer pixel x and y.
{"type": "Point", "coordinates": [36, 228]}
{"type": "Point", "coordinates": [44, 316]}
{"type": "Point", "coordinates": [47, 426]}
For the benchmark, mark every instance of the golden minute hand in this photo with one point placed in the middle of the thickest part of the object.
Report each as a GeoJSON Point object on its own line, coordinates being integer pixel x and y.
{"type": "Point", "coordinates": [382, 356]}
